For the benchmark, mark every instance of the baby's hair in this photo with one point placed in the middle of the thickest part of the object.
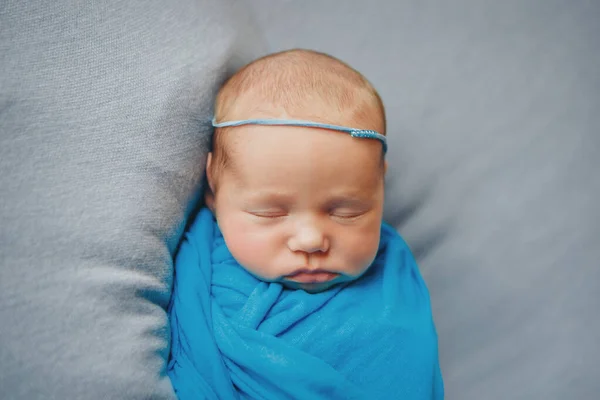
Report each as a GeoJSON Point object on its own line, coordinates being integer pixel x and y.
{"type": "Point", "coordinates": [298, 84]}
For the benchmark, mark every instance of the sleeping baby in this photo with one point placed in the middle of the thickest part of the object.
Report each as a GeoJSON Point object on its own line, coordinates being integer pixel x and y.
{"type": "Point", "coordinates": [288, 284]}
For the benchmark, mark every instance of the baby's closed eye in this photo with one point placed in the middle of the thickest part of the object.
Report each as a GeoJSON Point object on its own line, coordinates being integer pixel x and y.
{"type": "Point", "coordinates": [268, 213]}
{"type": "Point", "coordinates": [346, 212]}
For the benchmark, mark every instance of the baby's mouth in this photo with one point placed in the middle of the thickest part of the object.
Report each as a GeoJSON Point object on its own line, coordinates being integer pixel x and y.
{"type": "Point", "coordinates": [312, 277]}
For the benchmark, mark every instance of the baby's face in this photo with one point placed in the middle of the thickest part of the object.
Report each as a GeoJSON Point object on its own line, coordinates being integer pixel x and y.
{"type": "Point", "coordinates": [301, 206]}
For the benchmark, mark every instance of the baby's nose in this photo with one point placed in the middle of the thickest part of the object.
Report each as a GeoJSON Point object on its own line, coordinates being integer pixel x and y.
{"type": "Point", "coordinates": [309, 239]}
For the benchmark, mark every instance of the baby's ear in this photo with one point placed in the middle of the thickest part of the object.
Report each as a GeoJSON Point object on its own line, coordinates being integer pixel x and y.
{"type": "Point", "coordinates": [209, 194]}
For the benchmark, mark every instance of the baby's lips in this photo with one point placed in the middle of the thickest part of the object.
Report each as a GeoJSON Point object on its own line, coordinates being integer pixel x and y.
{"type": "Point", "coordinates": [312, 277]}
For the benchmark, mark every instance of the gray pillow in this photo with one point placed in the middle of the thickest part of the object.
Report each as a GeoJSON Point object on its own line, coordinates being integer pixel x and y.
{"type": "Point", "coordinates": [104, 110]}
{"type": "Point", "coordinates": [494, 116]}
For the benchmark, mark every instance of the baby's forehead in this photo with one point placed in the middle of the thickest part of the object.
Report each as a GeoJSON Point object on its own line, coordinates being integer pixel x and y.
{"type": "Point", "coordinates": [284, 154]}
{"type": "Point", "coordinates": [266, 150]}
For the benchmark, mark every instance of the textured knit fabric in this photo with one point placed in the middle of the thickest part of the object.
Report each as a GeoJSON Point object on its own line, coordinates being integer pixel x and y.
{"type": "Point", "coordinates": [104, 126]}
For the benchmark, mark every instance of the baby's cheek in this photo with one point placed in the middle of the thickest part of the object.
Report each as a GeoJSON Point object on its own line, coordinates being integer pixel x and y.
{"type": "Point", "coordinates": [242, 247]}
{"type": "Point", "coordinates": [362, 249]}
{"type": "Point", "coordinates": [250, 250]}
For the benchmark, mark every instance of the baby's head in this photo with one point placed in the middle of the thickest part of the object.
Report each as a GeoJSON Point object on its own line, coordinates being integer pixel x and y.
{"type": "Point", "coordinates": [298, 205]}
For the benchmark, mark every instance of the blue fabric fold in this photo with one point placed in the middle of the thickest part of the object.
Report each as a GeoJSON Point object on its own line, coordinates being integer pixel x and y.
{"type": "Point", "coordinates": [236, 337]}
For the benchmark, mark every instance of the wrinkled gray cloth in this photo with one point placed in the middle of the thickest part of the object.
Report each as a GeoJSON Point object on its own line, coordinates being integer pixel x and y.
{"type": "Point", "coordinates": [104, 123]}
{"type": "Point", "coordinates": [494, 135]}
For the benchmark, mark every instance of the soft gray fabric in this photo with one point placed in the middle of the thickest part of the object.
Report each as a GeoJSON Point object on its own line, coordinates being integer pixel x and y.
{"type": "Point", "coordinates": [494, 120]}
{"type": "Point", "coordinates": [104, 115]}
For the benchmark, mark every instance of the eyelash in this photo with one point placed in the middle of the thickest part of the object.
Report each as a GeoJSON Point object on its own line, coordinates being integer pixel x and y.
{"type": "Point", "coordinates": [348, 216]}
{"type": "Point", "coordinates": [332, 213]}
{"type": "Point", "coordinates": [269, 215]}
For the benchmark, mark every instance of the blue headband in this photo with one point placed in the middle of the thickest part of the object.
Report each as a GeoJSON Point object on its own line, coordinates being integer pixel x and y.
{"type": "Point", "coordinates": [357, 133]}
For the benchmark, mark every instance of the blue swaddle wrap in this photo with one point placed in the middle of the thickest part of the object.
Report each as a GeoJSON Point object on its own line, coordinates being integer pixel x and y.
{"type": "Point", "coordinates": [236, 337]}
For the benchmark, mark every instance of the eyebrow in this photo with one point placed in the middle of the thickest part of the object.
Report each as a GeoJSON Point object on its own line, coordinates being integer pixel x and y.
{"type": "Point", "coordinates": [352, 201]}
{"type": "Point", "coordinates": [270, 195]}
